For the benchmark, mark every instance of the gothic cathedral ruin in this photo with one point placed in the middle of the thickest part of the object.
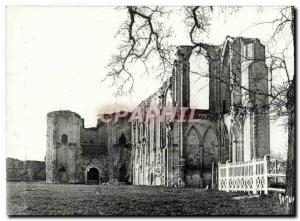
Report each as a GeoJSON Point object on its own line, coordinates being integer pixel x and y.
{"type": "Point", "coordinates": [152, 151]}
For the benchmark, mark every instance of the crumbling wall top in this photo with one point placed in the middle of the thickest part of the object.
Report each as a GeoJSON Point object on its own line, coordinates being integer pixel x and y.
{"type": "Point", "coordinates": [63, 114]}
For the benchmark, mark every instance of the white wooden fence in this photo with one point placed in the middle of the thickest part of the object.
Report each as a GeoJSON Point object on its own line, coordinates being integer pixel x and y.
{"type": "Point", "coordinates": [249, 176]}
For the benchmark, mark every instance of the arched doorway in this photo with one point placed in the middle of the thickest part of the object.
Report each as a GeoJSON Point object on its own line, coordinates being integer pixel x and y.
{"type": "Point", "coordinates": [62, 175]}
{"type": "Point", "coordinates": [93, 176]}
{"type": "Point", "coordinates": [194, 159]}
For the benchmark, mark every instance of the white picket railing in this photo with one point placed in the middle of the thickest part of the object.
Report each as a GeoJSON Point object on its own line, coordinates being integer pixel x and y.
{"type": "Point", "coordinates": [248, 176]}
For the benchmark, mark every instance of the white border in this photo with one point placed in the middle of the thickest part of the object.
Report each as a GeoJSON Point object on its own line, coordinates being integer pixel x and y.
{"type": "Point", "coordinates": [5, 3]}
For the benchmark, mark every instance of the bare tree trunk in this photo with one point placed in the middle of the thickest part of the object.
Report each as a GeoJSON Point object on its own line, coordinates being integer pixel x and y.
{"type": "Point", "coordinates": [290, 174]}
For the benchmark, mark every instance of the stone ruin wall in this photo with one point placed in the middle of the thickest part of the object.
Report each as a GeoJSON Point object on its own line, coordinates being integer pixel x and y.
{"type": "Point", "coordinates": [29, 170]}
{"type": "Point", "coordinates": [157, 161]}
{"type": "Point", "coordinates": [86, 148]}
{"type": "Point", "coordinates": [164, 154]}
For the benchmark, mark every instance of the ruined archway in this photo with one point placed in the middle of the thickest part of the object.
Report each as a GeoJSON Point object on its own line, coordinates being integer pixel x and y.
{"type": "Point", "coordinates": [210, 154]}
{"type": "Point", "coordinates": [93, 176]}
{"type": "Point", "coordinates": [194, 158]}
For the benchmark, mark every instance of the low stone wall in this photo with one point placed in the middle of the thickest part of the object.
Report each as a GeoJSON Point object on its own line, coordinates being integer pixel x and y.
{"type": "Point", "coordinates": [17, 170]}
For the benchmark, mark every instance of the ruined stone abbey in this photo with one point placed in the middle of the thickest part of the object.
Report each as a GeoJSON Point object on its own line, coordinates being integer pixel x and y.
{"type": "Point", "coordinates": [151, 151]}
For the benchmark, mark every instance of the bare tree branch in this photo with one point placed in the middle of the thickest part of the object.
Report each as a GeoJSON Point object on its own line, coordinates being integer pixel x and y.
{"type": "Point", "coordinates": [146, 38]}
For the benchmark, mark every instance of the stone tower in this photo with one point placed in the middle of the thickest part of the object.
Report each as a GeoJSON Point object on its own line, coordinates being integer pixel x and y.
{"type": "Point", "coordinates": [243, 62]}
{"type": "Point", "coordinates": [63, 145]}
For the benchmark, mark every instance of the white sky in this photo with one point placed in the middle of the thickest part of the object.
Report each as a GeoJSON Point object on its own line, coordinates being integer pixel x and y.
{"type": "Point", "coordinates": [56, 59]}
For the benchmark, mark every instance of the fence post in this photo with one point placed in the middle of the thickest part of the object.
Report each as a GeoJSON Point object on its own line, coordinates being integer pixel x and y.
{"type": "Point", "coordinates": [266, 171]}
{"type": "Point", "coordinates": [227, 176]}
{"type": "Point", "coordinates": [254, 188]}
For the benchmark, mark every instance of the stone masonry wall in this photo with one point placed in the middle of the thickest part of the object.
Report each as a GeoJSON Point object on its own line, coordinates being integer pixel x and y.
{"type": "Point", "coordinates": [30, 170]}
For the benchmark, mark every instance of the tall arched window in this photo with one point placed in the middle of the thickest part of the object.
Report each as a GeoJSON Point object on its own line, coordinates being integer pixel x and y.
{"type": "Point", "coordinates": [199, 81]}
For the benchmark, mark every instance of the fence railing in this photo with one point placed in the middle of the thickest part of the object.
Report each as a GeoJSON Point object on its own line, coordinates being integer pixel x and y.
{"type": "Point", "coordinates": [250, 176]}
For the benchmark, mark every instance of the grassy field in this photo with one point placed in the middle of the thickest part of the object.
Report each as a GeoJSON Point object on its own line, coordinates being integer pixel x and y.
{"type": "Point", "coordinates": [82, 200]}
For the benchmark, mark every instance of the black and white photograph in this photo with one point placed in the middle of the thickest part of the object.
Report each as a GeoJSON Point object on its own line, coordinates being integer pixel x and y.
{"type": "Point", "coordinates": [150, 110]}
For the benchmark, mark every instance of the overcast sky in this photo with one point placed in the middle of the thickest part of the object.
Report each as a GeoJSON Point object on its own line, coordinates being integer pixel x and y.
{"type": "Point", "coordinates": [56, 59]}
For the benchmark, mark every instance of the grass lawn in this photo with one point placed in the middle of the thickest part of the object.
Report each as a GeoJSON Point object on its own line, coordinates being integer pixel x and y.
{"type": "Point", "coordinates": [75, 200]}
